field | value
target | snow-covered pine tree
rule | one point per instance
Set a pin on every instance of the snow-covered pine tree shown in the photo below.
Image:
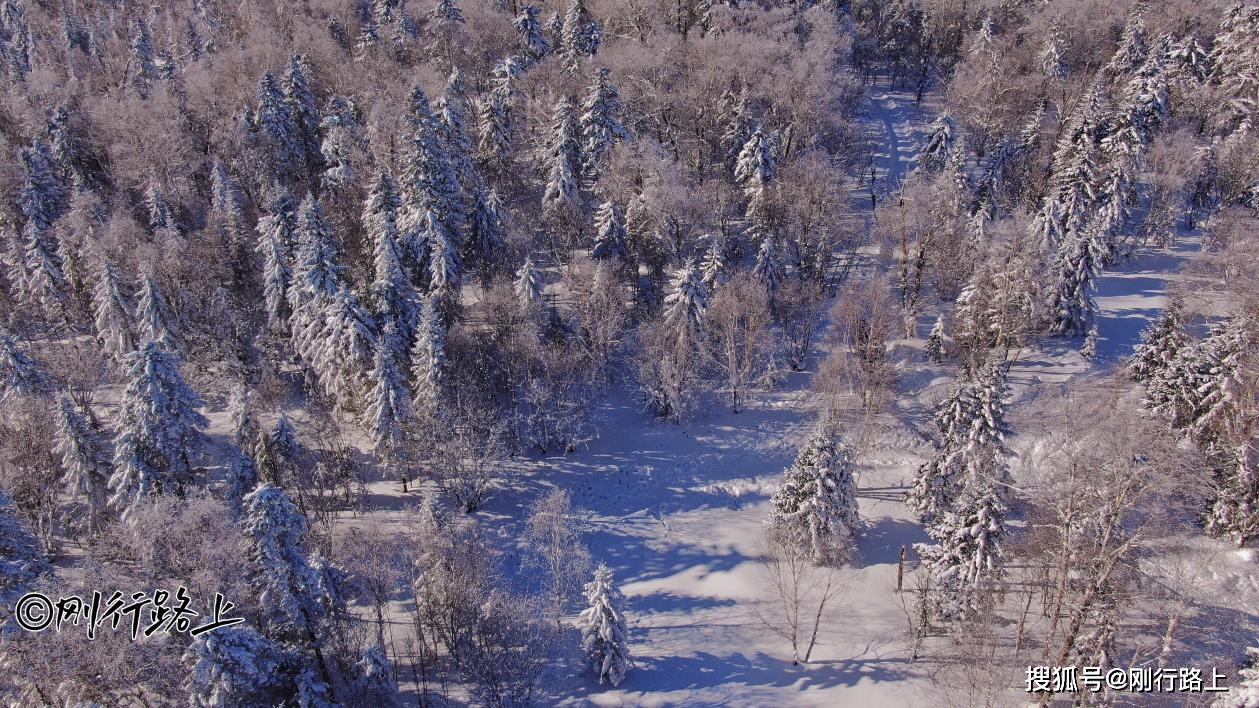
(388, 403)
(685, 308)
(1052, 63)
(154, 319)
(277, 241)
(965, 562)
(43, 196)
(276, 126)
(1132, 51)
(80, 443)
(580, 36)
(342, 141)
(604, 633)
(941, 137)
(495, 118)
(1236, 64)
(114, 328)
(815, 509)
(43, 282)
(713, 266)
(236, 666)
(1160, 344)
(299, 98)
(600, 128)
(528, 286)
(20, 374)
(432, 203)
(562, 159)
(769, 268)
(341, 352)
(1235, 511)
(295, 595)
(487, 231)
(935, 342)
(611, 237)
(970, 443)
(428, 360)
(529, 36)
(21, 562)
(160, 214)
(736, 127)
(394, 301)
(159, 430)
(1219, 399)
(1069, 305)
(316, 278)
(754, 168)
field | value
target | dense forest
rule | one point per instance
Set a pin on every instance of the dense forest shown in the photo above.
(336, 310)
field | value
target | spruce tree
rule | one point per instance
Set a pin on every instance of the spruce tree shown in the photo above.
(611, 237)
(966, 559)
(21, 561)
(154, 319)
(159, 430)
(236, 666)
(428, 360)
(20, 374)
(604, 634)
(114, 327)
(388, 405)
(935, 342)
(1160, 344)
(600, 128)
(941, 138)
(528, 286)
(1070, 306)
(394, 301)
(580, 34)
(562, 159)
(277, 241)
(714, 266)
(432, 204)
(1235, 511)
(43, 197)
(815, 509)
(529, 38)
(80, 444)
(299, 99)
(275, 124)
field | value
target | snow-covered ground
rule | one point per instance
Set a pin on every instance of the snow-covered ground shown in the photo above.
(676, 510)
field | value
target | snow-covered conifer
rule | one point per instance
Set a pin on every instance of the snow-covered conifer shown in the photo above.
(941, 137)
(563, 158)
(277, 241)
(529, 36)
(611, 237)
(43, 196)
(299, 98)
(600, 128)
(114, 328)
(154, 319)
(769, 267)
(1070, 306)
(236, 666)
(815, 509)
(394, 299)
(713, 266)
(965, 560)
(80, 443)
(428, 359)
(604, 634)
(935, 341)
(528, 285)
(20, 374)
(1235, 511)
(388, 403)
(685, 307)
(159, 430)
(1245, 693)
(274, 122)
(1160, 344)
(432, 202)
(43, 281)
(342, 142)
(21, 562)
(580, 36)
